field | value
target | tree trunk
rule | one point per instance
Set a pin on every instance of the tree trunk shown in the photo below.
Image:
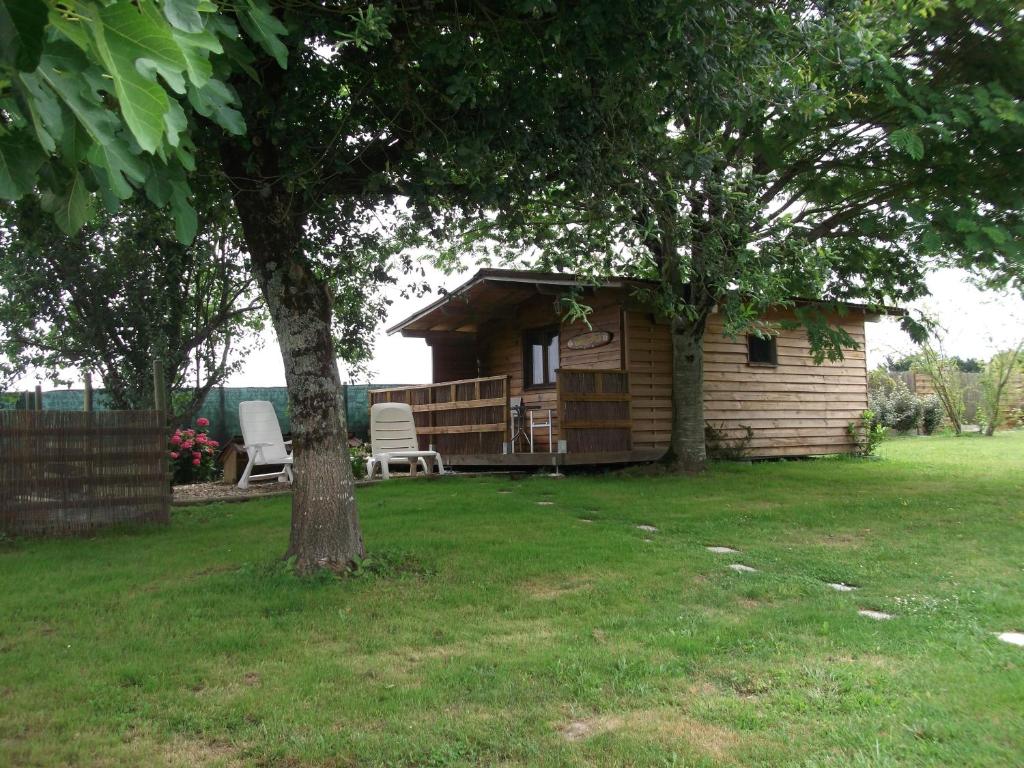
(325, 529)
(325, 522)
(687, 451)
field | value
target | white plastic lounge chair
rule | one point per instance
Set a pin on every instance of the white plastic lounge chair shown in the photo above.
(263, 441)
(393, 441)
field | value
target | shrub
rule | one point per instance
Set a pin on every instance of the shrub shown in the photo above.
(192, 454)
(878, 407)
(1016, 417)
(867, 433)
(931, 414)
(880, 382)
(892, 404)
(904, 414)
(357, 455)
(719, 446)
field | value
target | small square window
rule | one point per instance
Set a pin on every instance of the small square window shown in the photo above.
(761, 351)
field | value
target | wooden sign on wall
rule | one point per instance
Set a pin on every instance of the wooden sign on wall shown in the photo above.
(589, 340)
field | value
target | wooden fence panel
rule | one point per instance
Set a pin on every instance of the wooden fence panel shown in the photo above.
(595, 410)
(921, 385)
(63, 472)
(470, 416)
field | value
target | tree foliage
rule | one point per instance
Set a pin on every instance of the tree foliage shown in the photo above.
(99, 98)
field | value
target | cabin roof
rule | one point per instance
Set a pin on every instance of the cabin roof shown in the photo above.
(494, 293)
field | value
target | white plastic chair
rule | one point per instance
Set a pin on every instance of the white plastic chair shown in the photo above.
(264, 442)
(393, 441)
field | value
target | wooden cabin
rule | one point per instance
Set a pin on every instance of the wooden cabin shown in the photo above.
(499, 337)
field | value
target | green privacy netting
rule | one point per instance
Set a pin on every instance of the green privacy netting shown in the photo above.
(220, 407)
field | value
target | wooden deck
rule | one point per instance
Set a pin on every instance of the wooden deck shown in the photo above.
(468, 421)
(527, 460)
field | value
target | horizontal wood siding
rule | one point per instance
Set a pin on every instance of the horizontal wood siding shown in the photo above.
(649, 359)
(795, 408)
(500, 350)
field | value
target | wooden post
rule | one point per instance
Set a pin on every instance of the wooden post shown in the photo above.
(39, 397)
(29, 404)
(87, 395)
(506, 392)
(224, 437)
(159, 388)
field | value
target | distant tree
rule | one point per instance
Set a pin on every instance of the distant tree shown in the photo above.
(899, 364)
(123, 291)
(906, 363)
(998, 373)
(968, 364)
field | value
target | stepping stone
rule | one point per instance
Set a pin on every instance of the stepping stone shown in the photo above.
(546, 503)
(1013, 638)
(876, 615)
(722, 550)
(740, 568)
(839, 586)
(584, 519)
(504, 491)
(648, 541)
(648, 528)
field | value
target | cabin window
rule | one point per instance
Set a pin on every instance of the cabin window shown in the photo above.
(540, 357)
(761, 351)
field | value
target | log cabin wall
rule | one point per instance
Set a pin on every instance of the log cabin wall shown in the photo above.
(453, 360)
(500, 348)
(795, 408)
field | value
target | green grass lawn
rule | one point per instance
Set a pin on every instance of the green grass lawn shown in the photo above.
(507, 632)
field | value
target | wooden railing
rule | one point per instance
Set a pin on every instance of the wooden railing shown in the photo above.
(594, 410)
(470, 416)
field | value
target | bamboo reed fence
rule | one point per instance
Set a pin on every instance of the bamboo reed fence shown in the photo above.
(66, 473)
(594, 410)
(470, 416)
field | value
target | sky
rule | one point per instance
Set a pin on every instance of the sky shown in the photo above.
(976, 324)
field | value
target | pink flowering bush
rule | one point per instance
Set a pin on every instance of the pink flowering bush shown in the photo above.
(193, 454)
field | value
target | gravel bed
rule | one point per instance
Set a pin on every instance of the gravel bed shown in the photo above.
(207, 493)
(203, 493)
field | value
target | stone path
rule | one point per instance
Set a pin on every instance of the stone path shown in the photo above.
(876, 615)
(740, 568)
(577, 730)
(839, 586)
